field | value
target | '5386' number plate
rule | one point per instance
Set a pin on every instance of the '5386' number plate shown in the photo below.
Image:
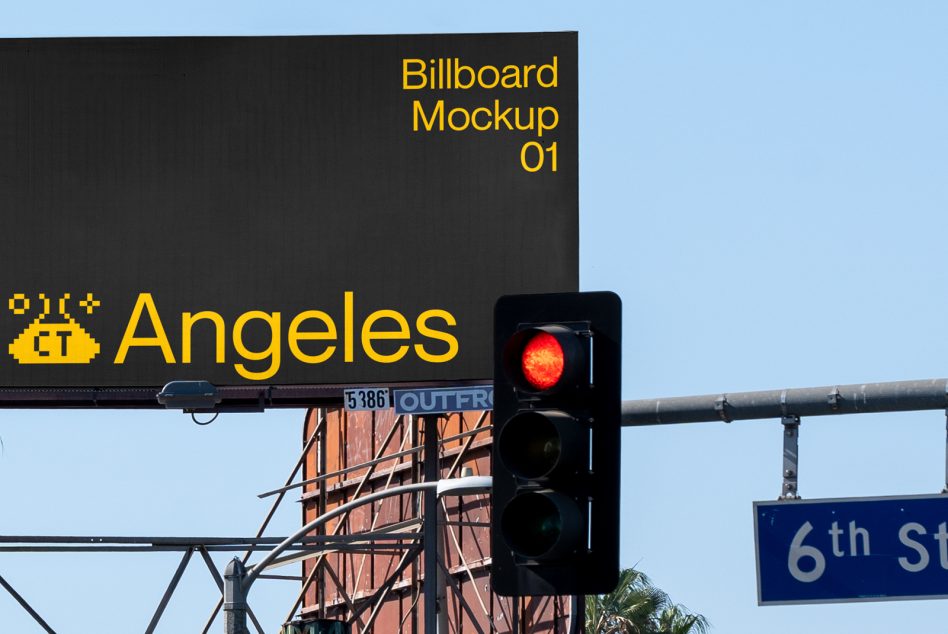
(361, 399)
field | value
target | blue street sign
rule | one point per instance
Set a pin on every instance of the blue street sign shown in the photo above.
(854, 549)
(441, 400)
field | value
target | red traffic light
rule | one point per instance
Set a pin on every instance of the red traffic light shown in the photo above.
(542, 361)
(555, 459)
(545, 359)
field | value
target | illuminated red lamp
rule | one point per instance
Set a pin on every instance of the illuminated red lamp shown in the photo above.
(542, 361)
(545, 359)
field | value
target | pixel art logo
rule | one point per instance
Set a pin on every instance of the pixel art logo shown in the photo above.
(53, 341)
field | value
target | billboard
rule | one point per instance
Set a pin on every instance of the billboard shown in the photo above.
(278, 211)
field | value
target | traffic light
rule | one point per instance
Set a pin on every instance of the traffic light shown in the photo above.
(555, 499)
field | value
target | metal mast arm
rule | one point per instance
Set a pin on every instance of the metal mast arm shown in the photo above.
(898, 396)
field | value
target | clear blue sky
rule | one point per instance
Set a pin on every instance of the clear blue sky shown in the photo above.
(765, 186)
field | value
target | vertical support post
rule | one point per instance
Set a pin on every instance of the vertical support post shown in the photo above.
(432, 466)
(235, 598)
(321, 504)
(441, 582)
(577, 614)
(945, 490)
(791, 450)
(415, 474)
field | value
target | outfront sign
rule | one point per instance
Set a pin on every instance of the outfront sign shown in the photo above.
(278, 210)
(856, 549)
(443, 400)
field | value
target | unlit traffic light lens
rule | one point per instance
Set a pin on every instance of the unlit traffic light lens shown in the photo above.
(539, 525)
(540, 444)
(530, 446)
(542, 361)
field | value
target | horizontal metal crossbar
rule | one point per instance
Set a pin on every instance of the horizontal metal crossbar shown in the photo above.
(67, 543)
(865, 398)
(234, 398)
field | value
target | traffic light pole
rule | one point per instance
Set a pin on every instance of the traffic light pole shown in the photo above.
(865, 398)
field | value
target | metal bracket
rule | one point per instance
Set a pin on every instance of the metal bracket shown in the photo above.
(833, 399)
(791, 448)
(945, 490)
(720, 406)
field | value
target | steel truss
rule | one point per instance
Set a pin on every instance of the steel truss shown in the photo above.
(342, 569)
(356, 543)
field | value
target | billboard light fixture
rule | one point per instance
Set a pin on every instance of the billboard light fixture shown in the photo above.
(189, 395)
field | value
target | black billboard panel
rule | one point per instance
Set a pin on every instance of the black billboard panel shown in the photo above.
(278, 210)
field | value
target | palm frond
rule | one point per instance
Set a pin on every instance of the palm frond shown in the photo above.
(638, 607)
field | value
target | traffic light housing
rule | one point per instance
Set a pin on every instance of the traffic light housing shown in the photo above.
(555, 498)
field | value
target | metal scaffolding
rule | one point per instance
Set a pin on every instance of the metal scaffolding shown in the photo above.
(369, 566)
(360, 454)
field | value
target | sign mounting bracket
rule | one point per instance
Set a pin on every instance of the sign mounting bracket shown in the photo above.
(791, 455)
